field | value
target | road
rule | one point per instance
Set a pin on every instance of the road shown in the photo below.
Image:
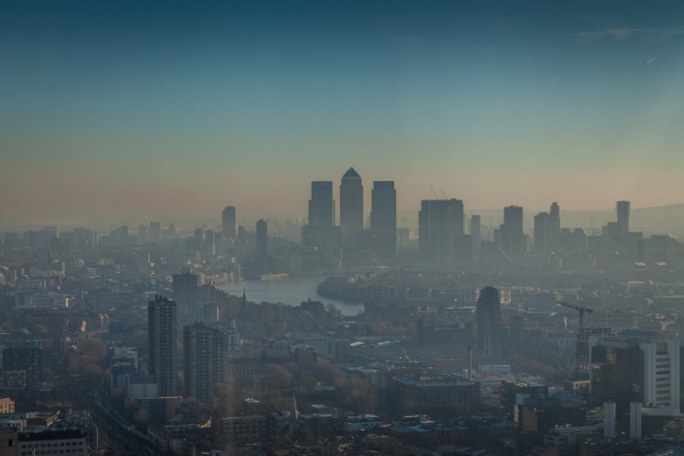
(114, 433)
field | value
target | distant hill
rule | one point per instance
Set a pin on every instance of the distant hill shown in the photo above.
(661, 219)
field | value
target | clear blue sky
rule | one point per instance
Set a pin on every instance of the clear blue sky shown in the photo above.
(172, 110)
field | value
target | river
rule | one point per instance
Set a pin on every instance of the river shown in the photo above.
(291, 290)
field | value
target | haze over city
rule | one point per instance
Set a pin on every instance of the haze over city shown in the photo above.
(120, 111)
(362, 227)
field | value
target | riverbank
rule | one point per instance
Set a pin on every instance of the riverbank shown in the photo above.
(290, 290)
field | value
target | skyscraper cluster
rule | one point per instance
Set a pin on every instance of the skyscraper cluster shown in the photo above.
(445, 238)
(442, 237)
(443, 242)
(350, 236)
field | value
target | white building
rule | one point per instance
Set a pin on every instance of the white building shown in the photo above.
(141, 386)
(649, 358)
(661, 377)
(69, 442)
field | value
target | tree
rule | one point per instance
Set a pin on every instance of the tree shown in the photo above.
(334, 311)
(93, 347)
(278, 377)
(141, 416)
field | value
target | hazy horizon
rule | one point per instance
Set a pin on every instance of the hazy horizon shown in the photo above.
(667, 219)
(171, 111)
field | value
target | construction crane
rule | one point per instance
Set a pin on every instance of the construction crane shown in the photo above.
(404, 356)
(434, 192)
(437, 197)
(580, 309)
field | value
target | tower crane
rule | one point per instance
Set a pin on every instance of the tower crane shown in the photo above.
(580, 309)
(404, 356)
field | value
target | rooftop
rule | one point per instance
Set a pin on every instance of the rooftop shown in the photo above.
(351, 172)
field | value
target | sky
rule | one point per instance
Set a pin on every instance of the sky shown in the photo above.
(127, 110)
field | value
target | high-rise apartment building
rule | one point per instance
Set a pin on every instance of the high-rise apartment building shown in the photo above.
(489, 324)
(229, 223)
(440, 230)
(205, 351)
(383, 218)
(321, 204)
(161, 327)
(661, 373)
(351, 208)
(22, 363)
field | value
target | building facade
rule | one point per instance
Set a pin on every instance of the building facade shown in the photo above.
(622, 209)
(439, 396)
(68, 442)
(546, 230)
(229, 223)
(440, 231)
(186, 287)
(261, 239)
(510, 236)
(321, 204)
(489, 324)
(351, 208)
(162, 326)
(638, 366)
(205, 350)
(383, 218)
(321, 234)
(22, 363)
(476, 237)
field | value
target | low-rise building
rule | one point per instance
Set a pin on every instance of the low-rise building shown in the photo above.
(440, 395)
(245, 428)
(6, 405)
(70, 442)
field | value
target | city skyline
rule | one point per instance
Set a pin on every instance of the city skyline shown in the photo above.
(651, 220)
(118, 111)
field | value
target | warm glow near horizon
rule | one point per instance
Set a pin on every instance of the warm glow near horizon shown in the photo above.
(174, 113)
